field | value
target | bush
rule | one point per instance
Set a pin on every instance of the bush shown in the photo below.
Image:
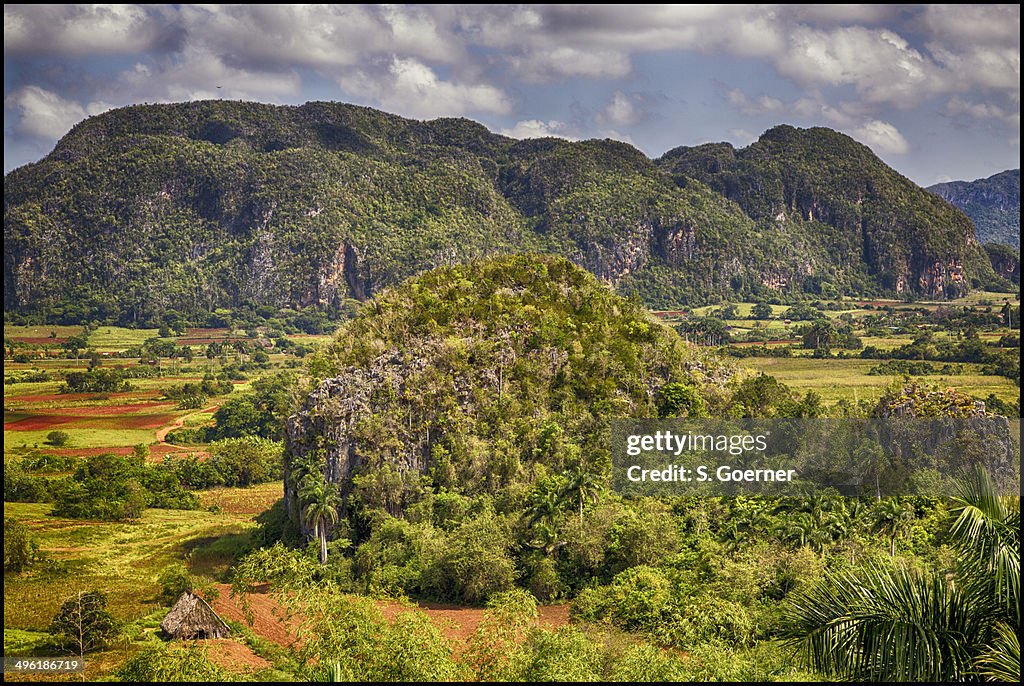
(414, 649)
(115, 488)
(20, 549)
(185, 662)
(83, 624)
(563, 655)
(508, 617)
(58, 438)
(645, 600)
(98, 380)
(645, 663)
(174, 580)
(475, 563)
(247, 461)
(21, 487)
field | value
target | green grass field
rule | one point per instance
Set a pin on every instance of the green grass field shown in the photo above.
(116, 338)
(123, 559)
(80, 438)
(836, 380)
(41, 331)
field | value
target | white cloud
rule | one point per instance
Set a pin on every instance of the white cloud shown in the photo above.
(45, 114)
(852, 117)
(200, 75)
(616, 136)
(622, 110)
(971, 25)
(763, 104)
(742, 138)
(882, 137)
(410, 87)
(87, 29)
(318, 36)
(564, 61)
(534, 128)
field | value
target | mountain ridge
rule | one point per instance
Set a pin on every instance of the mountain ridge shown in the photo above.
(190, 207)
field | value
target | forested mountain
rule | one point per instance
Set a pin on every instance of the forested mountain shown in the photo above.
(157, 211)
(993, 204)
(857, 221)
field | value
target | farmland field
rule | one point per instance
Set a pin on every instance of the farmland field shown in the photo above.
(840, 379)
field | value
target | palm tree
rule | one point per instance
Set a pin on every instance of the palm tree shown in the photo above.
(894, 623)
(893, 518)
(320, 503)
(582, 486)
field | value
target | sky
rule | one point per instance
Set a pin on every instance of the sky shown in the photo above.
(934, 90)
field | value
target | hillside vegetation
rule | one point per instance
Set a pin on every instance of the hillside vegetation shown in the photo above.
(152, 212)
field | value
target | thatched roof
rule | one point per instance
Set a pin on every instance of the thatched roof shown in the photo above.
(192, 617)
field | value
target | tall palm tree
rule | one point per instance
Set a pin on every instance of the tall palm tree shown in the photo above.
(583, 486)
(893, 623)
(893, 518)
(320, 503)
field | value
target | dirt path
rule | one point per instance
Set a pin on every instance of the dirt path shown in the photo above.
(162, 432)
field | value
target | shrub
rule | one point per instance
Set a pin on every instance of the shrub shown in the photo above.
(58, 438)
(20, 549)
(563, 655)
(83, 624)
(645, 663)
(186, 662)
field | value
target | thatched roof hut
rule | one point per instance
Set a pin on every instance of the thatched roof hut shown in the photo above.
(192, 617)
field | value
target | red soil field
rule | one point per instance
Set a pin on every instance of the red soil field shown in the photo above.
(108, 410)
(107, 416)
(455, 622)
(216, 332)
(232, 654)
(267, 613)
(37, 423)
(54, 397)
(778, 341)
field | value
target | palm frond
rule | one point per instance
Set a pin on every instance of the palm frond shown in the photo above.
(1001, 660)
(881, 624)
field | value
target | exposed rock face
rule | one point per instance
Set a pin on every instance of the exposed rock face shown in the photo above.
(328, 420)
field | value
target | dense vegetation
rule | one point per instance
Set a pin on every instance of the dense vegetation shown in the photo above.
(118, 488)
(993, 204)
(198, 212)
(449, 445)
(490, 378)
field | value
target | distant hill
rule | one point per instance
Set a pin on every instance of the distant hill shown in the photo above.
(993, 204)
(161, 212)
(857, 221)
